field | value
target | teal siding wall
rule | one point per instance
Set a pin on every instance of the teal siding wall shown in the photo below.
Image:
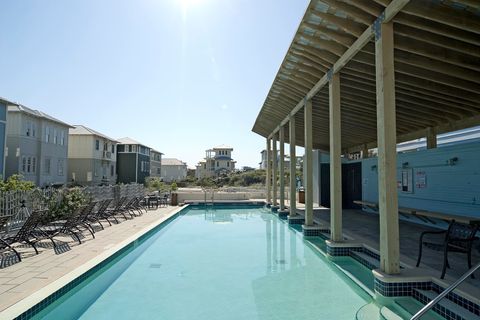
(449, 188)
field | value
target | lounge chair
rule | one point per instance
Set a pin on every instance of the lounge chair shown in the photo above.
(28, 234)
(458, 237)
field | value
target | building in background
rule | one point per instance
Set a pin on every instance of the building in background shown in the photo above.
(92, 157)
(218, 161)
(3, 133)
(155, 163)
(173, 170)
(37, 146)
(133, 161)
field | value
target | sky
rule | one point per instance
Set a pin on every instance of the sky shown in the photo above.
(180, 76)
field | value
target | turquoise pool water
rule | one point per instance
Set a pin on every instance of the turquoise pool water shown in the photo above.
(222, 263)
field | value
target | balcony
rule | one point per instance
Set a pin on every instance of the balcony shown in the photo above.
(107, 155)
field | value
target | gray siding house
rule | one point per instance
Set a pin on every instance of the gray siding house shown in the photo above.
(173, 170)
(155, 163)
(92, 157)
(133, 161)
(3, 134)
(37, 146)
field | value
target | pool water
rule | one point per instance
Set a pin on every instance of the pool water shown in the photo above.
(217, 263)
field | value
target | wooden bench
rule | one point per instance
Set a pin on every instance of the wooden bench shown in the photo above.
(423, 215)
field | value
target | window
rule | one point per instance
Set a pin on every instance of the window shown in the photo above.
(29, 164)
(24, 164)
(46, 166)
(105, 146)
(112, 170)
(34, 133)
(142, 164)
(228, 164)
(34, 165)
(29, 129)
(113, 148)
(62, 138)
(55, 136)
(47, 134)
(218, 164)
(60, 167)
(205, 166)
(97, 145)
(104, 171)
(158, 170)
(130, 148)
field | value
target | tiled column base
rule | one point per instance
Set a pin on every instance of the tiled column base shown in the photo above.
(398, 285)
(312, 231)
(336, 249)
(274, 208)
(296, 220)
(283, 214)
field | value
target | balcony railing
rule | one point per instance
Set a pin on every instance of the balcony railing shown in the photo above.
(107, 155)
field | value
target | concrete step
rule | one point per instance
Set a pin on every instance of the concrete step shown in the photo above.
(363, 257)
(447, 304)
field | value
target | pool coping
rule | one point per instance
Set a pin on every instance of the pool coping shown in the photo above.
(40, 295)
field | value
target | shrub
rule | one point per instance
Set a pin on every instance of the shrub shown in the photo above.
(16, 183)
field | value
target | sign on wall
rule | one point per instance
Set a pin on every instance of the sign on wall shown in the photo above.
(420, 179)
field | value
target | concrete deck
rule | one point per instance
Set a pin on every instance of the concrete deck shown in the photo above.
(363, 227)
(24, 284)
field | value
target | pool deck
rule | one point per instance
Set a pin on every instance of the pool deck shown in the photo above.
(363, 227)
(28, 282)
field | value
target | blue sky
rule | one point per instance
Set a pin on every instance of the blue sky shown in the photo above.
(181, 76)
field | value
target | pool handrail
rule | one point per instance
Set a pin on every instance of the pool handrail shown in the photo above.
(444, 293)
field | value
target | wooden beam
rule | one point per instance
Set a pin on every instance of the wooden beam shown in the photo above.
(336, 233)
(387, 164)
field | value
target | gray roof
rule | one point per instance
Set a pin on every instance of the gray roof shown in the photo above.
(85, 131)
(222, 146)
(153, 150)
(128, 140)
(35, 113)
(7, 102)
(172, 162)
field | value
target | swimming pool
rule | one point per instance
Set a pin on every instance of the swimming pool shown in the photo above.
(232, 262)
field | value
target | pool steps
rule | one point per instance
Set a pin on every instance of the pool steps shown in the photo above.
(445, 307)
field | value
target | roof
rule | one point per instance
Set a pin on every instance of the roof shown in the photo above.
(128, 140)
(35, 113)
(7, 102)
(223, 147)
(82, 130)
(156, 151)
(172, 162)
(437, 70)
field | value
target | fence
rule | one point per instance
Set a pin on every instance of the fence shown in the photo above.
(18, 204)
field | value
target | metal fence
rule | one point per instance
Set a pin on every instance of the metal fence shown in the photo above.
(18, 204)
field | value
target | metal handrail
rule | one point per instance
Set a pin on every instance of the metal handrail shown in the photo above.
(445, 292)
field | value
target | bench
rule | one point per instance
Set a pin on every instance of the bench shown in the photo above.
(423, 215)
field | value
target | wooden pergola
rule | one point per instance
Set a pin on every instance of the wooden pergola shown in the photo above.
(362, 74)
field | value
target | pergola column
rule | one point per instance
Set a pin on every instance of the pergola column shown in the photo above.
(282, 167)
(293, 168)
(387, 153)
(431, 138)
(269, 170)
(274, 170)
(308, 165)
(335, 160)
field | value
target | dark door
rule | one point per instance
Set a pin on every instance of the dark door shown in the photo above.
(351, 184)
(325, 185)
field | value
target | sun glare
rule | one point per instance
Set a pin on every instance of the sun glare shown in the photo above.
(189, 3)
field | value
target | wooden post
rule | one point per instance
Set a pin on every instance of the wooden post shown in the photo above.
(335, 160)
(293, 169)
(268, 177)
(387, 153)
(431, 138)
(281, 134)
(308, 165)
(274, 170)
